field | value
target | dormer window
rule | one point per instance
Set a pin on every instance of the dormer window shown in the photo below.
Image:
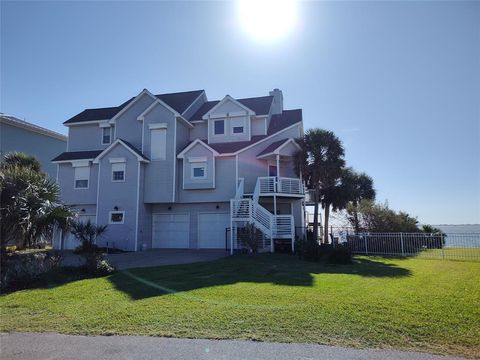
(106, 135)
(219, 127)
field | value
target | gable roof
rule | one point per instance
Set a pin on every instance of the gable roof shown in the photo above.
(179, 102)
(192, 144)
(260, 105)
(127, 145)
(13, 121)
(223, 101)
(77, 155)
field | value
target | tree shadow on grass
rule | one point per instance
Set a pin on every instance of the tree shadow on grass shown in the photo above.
(275, 269)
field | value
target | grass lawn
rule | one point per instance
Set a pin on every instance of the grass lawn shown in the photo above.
(427, 305)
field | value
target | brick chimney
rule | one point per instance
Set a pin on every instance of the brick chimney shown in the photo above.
(277, 106)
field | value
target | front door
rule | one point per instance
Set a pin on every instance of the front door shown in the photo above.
(272, 170)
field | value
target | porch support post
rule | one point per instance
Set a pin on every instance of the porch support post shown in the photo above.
(278, 165)
(231, 227)
(274, 226)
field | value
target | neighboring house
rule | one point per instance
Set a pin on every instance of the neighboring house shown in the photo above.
(22, 136)
(176, 170)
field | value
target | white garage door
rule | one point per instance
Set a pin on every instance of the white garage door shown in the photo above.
(70, 242)
(211, 230)
(170, 231)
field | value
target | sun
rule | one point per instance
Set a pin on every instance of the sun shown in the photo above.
(267, 20)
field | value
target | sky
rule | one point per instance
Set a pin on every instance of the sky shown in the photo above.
(398, 82)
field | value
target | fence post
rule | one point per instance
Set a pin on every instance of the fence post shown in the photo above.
(366, 246)
(401, 242)
(443, 247)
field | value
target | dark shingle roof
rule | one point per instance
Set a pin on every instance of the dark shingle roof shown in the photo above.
(134, 149)
(77, 155)
(284, 120)
(261, 105)
(272, 147)
(206, 107)
(97, 114)
(230, 147)
(80, 155)
(180, 101)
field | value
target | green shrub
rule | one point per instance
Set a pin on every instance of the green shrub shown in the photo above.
(311, 250)
(250, 236)
(308, 249)
(337, 255)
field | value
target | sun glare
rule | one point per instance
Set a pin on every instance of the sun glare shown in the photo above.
(267, 20)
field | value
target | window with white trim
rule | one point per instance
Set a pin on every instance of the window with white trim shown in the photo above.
(219, 127)
(81, 177)
(238, 126)
(158, 144)
(118, 172)
(116, 217)
(199, 171)
(106, 135)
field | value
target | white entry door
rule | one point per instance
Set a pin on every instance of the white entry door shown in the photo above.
(211, 230)
(170, 231)
(70, 242)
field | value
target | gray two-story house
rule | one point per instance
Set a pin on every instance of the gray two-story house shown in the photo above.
(176, 170)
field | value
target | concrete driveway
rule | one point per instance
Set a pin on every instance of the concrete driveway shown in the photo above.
(159, 257)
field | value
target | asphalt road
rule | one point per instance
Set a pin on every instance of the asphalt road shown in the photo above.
(50, 346)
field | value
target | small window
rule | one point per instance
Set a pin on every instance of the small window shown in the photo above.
(81, 184)
(81, 177)
(116, 217)
(199, 171)
(238, 126)
(219, 127)
(118, 172)
(106, 131)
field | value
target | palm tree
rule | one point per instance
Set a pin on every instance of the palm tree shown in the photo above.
(30, 206)
(87, 233)
(21, 160)
(320, 162)
(356, 187)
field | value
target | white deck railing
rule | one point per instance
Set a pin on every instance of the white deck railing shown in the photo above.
(283, 226)
(280, 185)
(249, 210)
(241, 209)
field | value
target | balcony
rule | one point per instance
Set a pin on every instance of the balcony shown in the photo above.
(275, 185)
